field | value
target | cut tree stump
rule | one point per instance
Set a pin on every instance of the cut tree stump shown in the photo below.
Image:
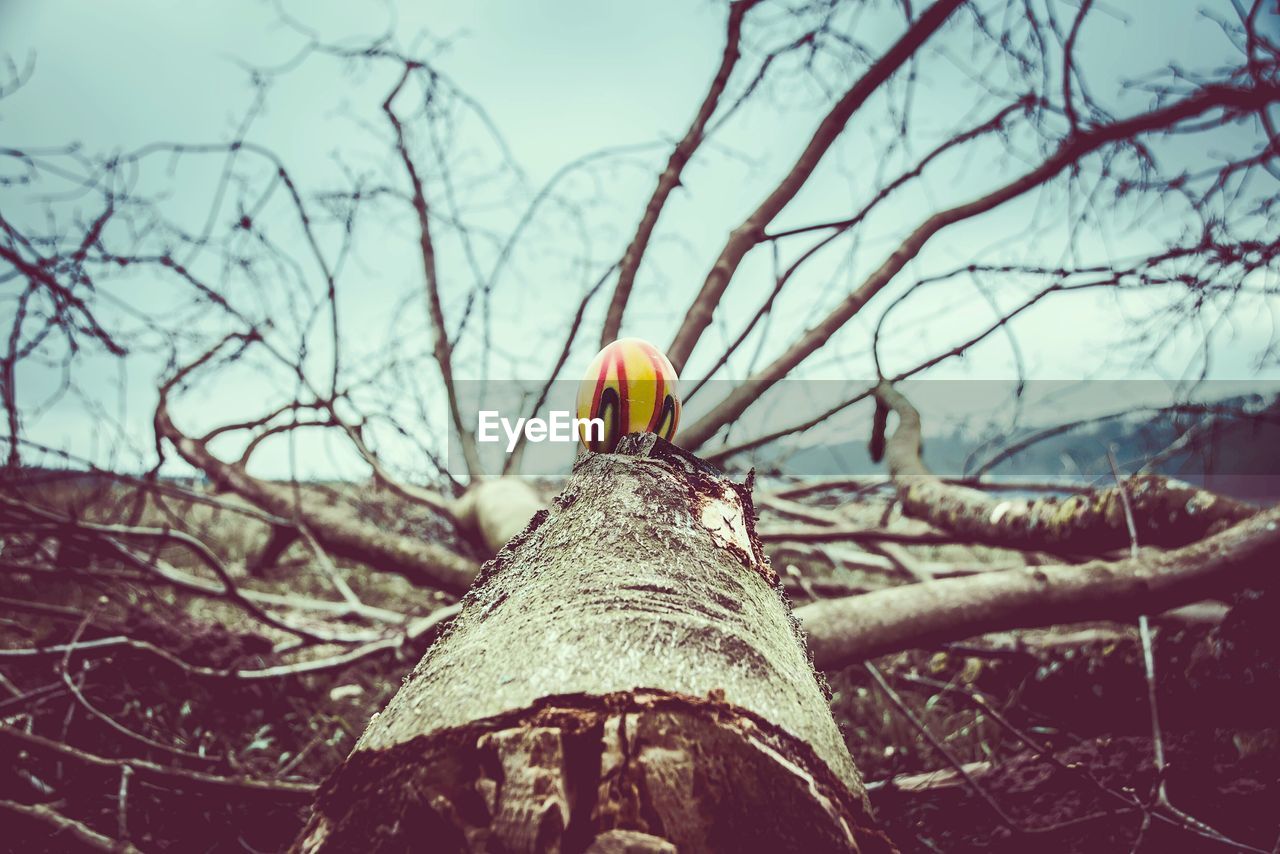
(625, 675)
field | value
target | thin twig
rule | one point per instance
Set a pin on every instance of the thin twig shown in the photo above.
(64, 671)
(122, 802)
(952, 760)
(1149, 669)
(58, 824)
(15, 740)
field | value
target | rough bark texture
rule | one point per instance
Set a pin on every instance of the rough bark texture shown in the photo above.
(624, 676)
(1165, 512)
(844, 631)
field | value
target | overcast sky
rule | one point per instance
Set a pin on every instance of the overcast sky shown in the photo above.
(560, 80)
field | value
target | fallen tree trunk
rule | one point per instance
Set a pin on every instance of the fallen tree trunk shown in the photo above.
(1165, 511)
(1244, 550)
(845, 631)
(497, 509)
(340, 532)
(493, 510)
(624, 676)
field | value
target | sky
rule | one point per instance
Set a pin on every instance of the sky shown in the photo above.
(561, 80)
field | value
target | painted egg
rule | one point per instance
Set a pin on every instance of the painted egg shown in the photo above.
(631, 387)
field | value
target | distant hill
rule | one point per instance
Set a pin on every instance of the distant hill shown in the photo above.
(1236, 454)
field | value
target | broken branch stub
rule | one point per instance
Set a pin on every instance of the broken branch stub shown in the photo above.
(624, 675)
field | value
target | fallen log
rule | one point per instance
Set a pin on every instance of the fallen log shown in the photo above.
(624, 675)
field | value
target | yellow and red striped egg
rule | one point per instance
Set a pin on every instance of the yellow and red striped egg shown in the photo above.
(631, 386)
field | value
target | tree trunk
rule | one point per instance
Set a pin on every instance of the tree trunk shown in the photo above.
(624, 676)
(1165, 512)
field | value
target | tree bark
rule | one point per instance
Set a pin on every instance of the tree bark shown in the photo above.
(844, 631)
(497, 509)
(342, 534)
(1165, 512)
(624, 676)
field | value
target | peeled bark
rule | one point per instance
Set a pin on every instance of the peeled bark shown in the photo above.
(497, 509)
(624, 676)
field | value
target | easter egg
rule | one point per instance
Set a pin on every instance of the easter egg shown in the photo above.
(631, 387)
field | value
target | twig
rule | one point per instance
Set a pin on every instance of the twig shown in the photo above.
(122, 801)
(58, 824)
(108, 533)
(1072, 149)
(64, 671)
(963, 770)
(1046, 753)
(1149, 670)
(669, 178)
(327, 567)
(751, 231)
(442, 350)
(416, 632)
(15, 741)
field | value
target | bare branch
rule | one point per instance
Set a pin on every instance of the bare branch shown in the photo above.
(339, 532)
(842, 631)
(1232, 100)
(443, 350)
(58, 826)
(14, 742)
(669, 178)
(1169, 513)
(751, 231)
